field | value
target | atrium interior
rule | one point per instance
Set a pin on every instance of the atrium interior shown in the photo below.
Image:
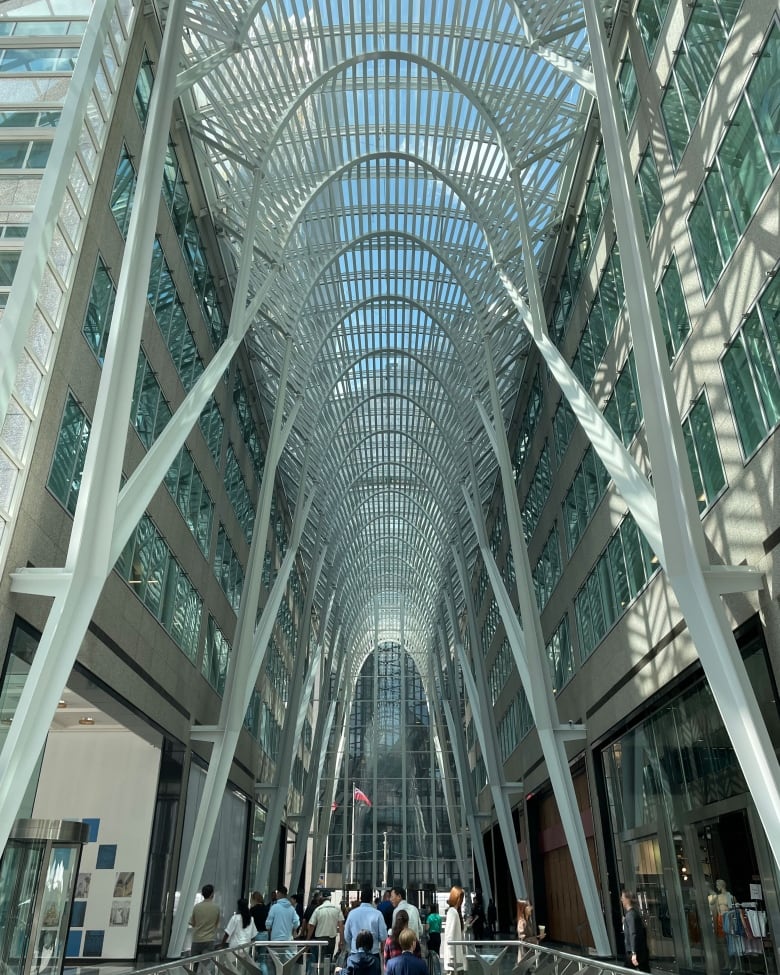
(388, 395)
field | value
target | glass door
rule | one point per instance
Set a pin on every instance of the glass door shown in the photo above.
(728, 871)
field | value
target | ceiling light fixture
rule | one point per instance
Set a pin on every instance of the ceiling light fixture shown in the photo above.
(87, 720)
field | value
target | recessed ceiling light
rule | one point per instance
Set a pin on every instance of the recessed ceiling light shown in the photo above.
(86, 721)
(62, 704)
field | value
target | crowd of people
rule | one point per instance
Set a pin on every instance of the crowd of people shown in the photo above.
(396, 927)
(373, 935)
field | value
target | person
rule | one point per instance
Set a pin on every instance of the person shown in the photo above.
(477, 917)
(634, 934)
(400, 903)
(408, 962)
(296, 901)
(240, 928)
(452, 955)
(492, 919)
(526, 927)
(392, 946)
(204, 921)
(434, 929)
(325, 922)
(259, 911)
(282, 918)
(362, 960)
(385, 907)
(365, 917)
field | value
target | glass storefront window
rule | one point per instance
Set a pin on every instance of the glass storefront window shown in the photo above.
(684, 834)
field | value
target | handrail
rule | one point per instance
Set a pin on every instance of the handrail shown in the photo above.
(186, 962)
(537, 952)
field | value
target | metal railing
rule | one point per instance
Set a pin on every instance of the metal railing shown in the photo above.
(263, 957)
(526, 958)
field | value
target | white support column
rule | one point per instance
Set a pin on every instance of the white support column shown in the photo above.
(23, 296)
(246, 662)
(290, 741)
(482, 716)
(441, 708)
(319, 747)
(529, 655)
(695, 581)
(89, 551)
(329, 796)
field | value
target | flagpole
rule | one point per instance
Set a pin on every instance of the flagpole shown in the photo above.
(352, 866)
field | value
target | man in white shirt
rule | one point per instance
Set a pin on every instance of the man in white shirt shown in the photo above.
(400, 903)
(325, 923)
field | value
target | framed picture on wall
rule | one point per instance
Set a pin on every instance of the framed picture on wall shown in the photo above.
(124, 885)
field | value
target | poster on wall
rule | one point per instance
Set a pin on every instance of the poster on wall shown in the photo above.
(82, 886)
(124, 885)
(120, 914)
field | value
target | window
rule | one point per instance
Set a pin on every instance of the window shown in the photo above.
(601, 321)
(528, 425)
(149, 412)
(216, 655)
(538, 492)
(560, 655)
(211, 426)
(99, 310)
(621, 571)
(28, 119)
(547, 571)
(9, 261)
(624, 407)
(501, 669)
(143, 89)
(24, 154)
(186, 487)
(248, 426)
(583, 497)
(703, 454)
(172, 320)
(156, 578)
(649, 190)
(238, 493)
(123, 191)
(650, 16)
(69, 455)
(228, 570)
(674, 315)
(693, 70)
(37, 60)
(564, 423)
(745, 161)
(751, 369)
(628, 88)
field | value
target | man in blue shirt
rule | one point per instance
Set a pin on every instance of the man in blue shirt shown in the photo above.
(282, 918)
(365, 917)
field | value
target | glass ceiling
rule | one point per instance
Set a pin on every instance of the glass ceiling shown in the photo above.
(383, 136)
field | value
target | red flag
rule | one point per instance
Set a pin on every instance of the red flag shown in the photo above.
(360, 796)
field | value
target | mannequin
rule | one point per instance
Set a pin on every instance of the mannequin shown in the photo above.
(728, 924)
(723, 898)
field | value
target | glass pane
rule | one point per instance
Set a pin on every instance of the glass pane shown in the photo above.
(712, 475)
(705, 244)
(748, 415)
(744, 165)
(764, 95)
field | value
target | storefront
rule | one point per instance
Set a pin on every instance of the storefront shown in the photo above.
(685, 835)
